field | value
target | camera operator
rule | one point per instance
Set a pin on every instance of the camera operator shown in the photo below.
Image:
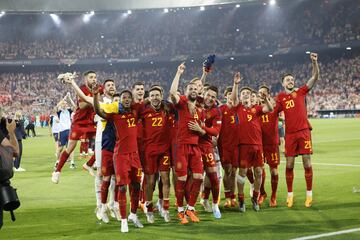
(9, 148)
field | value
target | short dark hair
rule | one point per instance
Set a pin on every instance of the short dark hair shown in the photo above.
(266, 87)
(213, 88)
(156, 88)
(88, 72)
(137, 84)
(285, 75)
(108, 80)
(227, 90)
(246, 88)
(126, 91)
(117, 95)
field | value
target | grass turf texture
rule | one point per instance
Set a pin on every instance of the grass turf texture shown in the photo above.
(66, 210)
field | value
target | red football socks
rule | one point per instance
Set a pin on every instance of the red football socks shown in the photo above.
(104, 191)
(308, 178)
(180, 192)
(122, 203)
(134, 199)
(194, 193)
(63, 157)
(289, 179)
(91, 161)
(274, 184)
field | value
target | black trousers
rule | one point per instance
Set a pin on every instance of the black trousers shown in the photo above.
(18, 159)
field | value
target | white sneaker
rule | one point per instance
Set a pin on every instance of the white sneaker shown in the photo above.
(20, 169)
(90, 151)
(166, 215)
(206, 205)
(72, 166)
(98, 212)
(89, 169)
(216, 211)
(124, 226)
(251, 190)
(133, 218)
(103, 212)
(55, 177)
(150, 217)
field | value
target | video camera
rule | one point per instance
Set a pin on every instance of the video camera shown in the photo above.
(9, 200)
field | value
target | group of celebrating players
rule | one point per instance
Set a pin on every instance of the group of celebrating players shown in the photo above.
(139, 140)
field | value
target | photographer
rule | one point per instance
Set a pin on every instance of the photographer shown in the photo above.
(20, 135)
(9, 149)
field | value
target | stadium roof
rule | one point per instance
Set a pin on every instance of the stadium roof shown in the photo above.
(98, 5)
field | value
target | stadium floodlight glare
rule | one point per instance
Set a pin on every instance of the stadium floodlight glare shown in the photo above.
(2, 13)
(237, 30)
(270, 55)
(129, 12)
(202, 8)
(232, 58)
(55, 18)
(307, 52)
(348, 48)
(237, 5)
(166, 10)
(272, 2)
(92, 13)
(87, 16)
(192, 60)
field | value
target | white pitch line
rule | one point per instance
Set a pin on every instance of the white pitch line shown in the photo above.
(330, 164)
(328, 234)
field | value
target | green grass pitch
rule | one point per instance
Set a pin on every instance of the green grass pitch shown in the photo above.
(66, 210)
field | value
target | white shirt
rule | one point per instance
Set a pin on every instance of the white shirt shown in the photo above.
(55, 128)
(65, 120)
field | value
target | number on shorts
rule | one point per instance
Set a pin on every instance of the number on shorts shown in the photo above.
(131, 122)
(289, 104)
(157, 122)
(307, 145)
(209, 157)
(265, 118)
(274, 157)
(166, 160)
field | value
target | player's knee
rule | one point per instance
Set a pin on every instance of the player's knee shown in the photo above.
(240, 179)
(258, 171)
(274, 171)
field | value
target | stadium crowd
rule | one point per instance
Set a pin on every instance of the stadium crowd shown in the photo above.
(184, 32)
(338, 88)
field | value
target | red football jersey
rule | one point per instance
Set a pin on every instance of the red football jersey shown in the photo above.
(126, 132)
(184, 135)
(249, 124)
(155, 126)
(212, 125)
(294, 108)
(269, 126)
(86, 115)
(229, 127)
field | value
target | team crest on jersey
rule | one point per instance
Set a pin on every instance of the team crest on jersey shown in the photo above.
(179, 165)
(123, 116)
(196, 116)
(284, 99)
(294, 94)
(253, 110)
(149, 115)
(225, 113)
(73, 134)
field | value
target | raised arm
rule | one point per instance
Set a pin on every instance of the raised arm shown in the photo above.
(175, 84)
(269, 105)
(235, 90)
(70, 79)
(70, 101)
(98, 110)
(12, 142)
(204, 75)
(315, 70)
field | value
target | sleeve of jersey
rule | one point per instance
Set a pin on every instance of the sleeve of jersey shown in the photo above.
(182, 101)
(111, 107)
(216, 126)
(303, 90)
